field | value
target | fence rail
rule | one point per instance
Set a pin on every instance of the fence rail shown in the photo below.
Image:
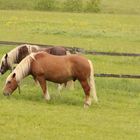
(75, 49)
(112, 53)
(118, 75)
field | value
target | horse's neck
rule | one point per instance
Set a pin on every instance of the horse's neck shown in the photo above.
(23, 69)
(12, 57)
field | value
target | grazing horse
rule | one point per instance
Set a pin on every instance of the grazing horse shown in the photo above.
(17, 54)
(59, 69)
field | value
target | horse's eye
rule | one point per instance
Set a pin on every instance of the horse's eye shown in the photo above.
(9, 82)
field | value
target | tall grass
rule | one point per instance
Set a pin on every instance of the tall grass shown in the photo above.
(93, 6)
(73, 5)
(48, 5)
(17, 4)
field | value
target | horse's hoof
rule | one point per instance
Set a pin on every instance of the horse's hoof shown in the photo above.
(86, 106)
(47, 97)
(96, 100)
(88, 101)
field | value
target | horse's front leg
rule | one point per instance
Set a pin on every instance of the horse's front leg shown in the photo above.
(43, 85)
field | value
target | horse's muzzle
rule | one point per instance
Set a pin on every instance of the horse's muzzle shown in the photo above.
(1, 72)
(6, 94)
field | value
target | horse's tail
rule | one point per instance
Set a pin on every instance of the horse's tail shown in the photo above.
(92, 82)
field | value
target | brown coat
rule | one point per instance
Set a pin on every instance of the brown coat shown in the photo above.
(60, 69)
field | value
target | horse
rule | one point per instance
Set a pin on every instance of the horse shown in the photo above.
(59, 69)
(17, 54)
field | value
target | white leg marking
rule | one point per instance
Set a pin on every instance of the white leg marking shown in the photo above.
(87, 103)
(47, 95)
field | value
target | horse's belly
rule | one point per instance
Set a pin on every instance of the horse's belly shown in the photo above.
(58, 73)
(58, 79)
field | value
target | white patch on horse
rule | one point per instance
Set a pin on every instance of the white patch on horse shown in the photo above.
(47, 95)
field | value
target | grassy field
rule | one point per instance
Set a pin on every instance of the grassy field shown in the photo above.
(116, 116)
(101, 32)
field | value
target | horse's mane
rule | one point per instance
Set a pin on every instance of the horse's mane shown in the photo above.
(13, 54)
(30, 48)
(22, 69)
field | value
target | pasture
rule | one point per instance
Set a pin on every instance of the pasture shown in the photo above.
(116, 116)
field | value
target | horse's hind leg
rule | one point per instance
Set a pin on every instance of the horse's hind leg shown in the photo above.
(43, 85)
(60, 86)
(70, 84)
(86, 89)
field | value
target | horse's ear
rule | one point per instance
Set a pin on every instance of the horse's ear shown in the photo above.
(14, 74)
(6, 55)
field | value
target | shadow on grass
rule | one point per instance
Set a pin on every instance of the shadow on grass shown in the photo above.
(56, 99)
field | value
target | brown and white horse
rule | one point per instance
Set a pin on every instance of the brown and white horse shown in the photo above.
(17, 54)
(59, 69)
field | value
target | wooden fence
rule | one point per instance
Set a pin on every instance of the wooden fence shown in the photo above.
(80, 50)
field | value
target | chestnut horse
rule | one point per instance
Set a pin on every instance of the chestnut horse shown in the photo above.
(59, 69)
(17, 54)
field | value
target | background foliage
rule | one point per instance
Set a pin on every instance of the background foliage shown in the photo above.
(102, 6)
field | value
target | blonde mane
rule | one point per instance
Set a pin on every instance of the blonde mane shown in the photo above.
(22, 69)
(13, 54)
(32, 47)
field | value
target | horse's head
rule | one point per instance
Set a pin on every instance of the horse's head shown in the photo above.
(4, 64)
(10, 85)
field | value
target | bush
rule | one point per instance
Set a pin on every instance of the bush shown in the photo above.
(47, 5)
(93, 6)
(73, 5)
(52, 5)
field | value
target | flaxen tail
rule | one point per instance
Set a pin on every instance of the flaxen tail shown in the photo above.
(92, 82)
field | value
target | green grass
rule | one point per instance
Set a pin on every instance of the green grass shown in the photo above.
(28, 116)
(120, 6)
(116, 116)
(100, 32)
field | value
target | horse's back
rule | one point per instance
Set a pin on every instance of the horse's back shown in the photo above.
(74, 60)
(59, 50)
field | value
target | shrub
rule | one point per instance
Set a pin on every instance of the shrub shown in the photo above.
(47, 5)
(73, 5)
(93, 6)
